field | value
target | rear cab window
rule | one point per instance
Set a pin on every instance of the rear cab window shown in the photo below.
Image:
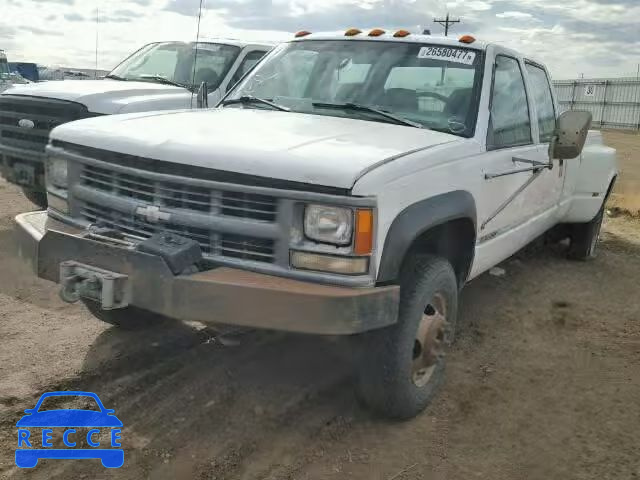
(543, 100)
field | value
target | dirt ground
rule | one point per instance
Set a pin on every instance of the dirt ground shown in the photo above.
(543, 382)
(626, 195)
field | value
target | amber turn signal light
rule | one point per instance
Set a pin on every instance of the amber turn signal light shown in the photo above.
(363, 244)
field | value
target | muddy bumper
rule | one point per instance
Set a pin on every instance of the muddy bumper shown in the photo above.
(220, 295)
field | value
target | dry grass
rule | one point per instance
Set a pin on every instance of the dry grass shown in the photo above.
(626, 195)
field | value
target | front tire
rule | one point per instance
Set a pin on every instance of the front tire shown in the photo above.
(402, 366)
(36, 196)
(129, 318)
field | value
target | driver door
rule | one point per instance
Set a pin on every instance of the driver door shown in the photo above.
(511, 194)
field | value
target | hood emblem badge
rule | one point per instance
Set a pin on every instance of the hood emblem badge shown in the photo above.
(26, 123)
(152, 214)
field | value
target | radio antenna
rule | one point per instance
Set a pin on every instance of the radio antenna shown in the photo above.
(195, 54)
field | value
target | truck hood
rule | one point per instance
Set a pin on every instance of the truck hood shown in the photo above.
(109, 96)
(313, 149)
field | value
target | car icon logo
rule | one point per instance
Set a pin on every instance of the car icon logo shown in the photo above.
(26, 123)
(40, 429)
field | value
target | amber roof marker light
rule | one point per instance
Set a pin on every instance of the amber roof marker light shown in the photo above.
(467, 39)
(302, 33)
(376, 32)
(352, 32)
(363, 244)
(402, 33)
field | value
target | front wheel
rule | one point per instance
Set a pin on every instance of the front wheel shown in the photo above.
(36, 196)
(129, 318)
(401, 367)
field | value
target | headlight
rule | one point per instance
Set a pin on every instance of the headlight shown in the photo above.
(328, 224)
(57, 172)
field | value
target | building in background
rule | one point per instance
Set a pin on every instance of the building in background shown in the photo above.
(26, 70)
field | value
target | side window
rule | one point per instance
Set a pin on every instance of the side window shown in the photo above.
(541, 91)
(510, 124)
(247, 64)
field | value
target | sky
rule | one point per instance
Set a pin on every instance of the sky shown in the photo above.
(594, 38)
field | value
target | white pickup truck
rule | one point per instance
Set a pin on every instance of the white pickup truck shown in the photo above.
(349, 185)
(8, 78)
(159, 76)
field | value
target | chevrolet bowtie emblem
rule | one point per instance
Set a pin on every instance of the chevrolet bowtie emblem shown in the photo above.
(152, 214)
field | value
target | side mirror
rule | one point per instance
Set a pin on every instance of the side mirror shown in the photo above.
(202, 100)
(570, 135)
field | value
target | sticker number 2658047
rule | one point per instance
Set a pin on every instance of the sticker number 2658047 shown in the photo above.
(457, 55)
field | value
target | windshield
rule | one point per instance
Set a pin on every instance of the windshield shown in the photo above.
(434, 86)
(174, 62)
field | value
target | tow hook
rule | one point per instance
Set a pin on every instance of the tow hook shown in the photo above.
(111, 290)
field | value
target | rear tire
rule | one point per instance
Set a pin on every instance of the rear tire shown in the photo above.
(36, 196)
(402, 366)
(584, 238)
(129, 318)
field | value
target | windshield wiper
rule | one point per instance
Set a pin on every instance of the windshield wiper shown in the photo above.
(116, 77)
(165, 80)
(245, 99)
(367, 108)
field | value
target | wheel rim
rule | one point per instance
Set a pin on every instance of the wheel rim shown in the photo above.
(430, 342)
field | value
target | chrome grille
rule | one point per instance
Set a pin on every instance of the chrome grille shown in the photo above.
(180, 195)
(45, 113)
(212, 243)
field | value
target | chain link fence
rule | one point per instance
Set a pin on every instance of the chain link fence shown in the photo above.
(613, 102)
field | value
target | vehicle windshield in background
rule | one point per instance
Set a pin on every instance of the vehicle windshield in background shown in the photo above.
(434, 86)
(4, 68)
(172, 63)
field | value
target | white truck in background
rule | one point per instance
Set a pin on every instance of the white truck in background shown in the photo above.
(4, 71)
(159, 76)
(349, 185)
(8, 78)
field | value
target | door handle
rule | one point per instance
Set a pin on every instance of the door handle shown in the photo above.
(535, 167)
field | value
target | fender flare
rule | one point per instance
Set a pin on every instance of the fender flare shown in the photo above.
(418, 218)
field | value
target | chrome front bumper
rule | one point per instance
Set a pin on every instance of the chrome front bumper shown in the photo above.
(220, 295)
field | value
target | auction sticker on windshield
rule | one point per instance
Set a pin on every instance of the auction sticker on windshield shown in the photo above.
(456, 55)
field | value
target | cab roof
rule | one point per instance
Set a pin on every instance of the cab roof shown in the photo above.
(238, 43)
(388, 37)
